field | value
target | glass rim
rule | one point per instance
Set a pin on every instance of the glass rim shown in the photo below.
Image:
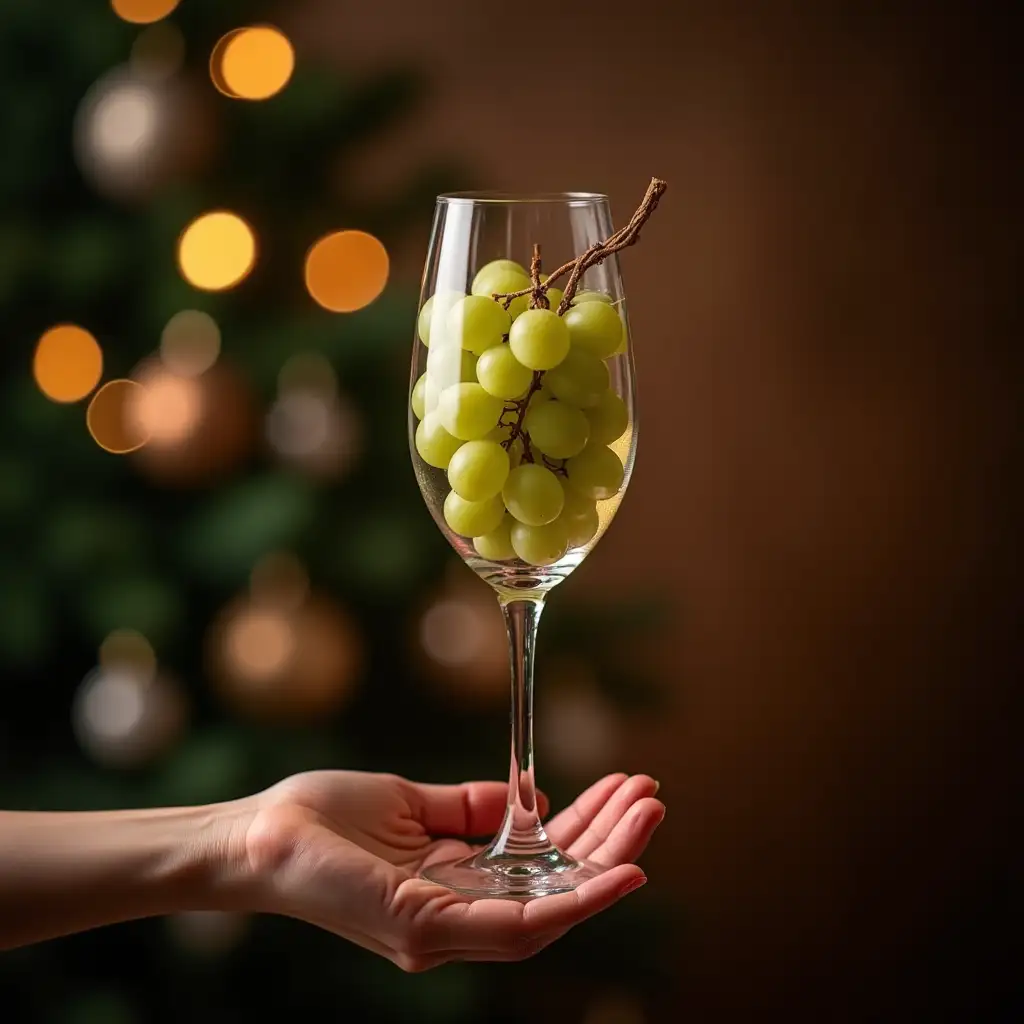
(499, 198)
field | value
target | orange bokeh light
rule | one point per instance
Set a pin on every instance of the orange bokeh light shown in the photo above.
(110, 420)
(68, 363)
(252, 63)
(216, 251)
(143, 12)
(346, 270)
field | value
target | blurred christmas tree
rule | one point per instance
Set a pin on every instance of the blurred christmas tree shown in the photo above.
(214, 535)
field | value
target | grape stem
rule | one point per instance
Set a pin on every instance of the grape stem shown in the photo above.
(595, 255)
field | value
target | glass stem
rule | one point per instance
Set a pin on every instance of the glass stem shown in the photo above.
(522, 833)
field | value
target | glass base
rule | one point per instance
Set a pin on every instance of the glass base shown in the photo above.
(507, 876)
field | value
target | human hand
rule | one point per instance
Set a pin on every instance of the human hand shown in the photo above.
(343, 850)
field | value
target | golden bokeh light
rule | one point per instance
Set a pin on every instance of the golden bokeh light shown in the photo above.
(190, 343)
(166, 409)
(128, 650)
(259, 644)
(143, 12)
(68, 363)
(252, 63)
(109, 417)
(216, 251)
(346, 270)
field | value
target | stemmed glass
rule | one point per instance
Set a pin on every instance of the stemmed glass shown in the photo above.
(523, 435)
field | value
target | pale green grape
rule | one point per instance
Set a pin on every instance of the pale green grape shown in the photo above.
(477, 323)
(581, 297)
(501, 374)
(609, 418)
(580, 379)
(515, 449)
(472, 518)
(623, 343)
(503, 280)
(419, 397)
(594, 327)
(533, 494)
(435, 445)
(497, 545)
(596, 472)
(432, 315)
(539, 545)
(576, 504)
(493, 269)
(555, 297)
(431, 394)
(467, 411)
(557, 429)
(580, 529)
(448, 364)
(539, 339)
(478, 470)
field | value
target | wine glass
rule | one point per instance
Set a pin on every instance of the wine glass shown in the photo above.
(523, 434)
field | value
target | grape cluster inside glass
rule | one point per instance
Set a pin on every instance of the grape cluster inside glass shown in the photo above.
(517, 407)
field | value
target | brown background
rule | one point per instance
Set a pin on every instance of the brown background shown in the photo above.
(828, 476)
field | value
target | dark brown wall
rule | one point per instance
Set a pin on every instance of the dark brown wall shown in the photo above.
(828, 478)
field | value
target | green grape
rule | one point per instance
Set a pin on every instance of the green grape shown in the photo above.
(576, 504)
(431, 394)
(473, 518)
(555, 297)
(502, 280)
(581, 297)
(596, 472)
(419, 397)
(493, 269)
(478, 470)
(477, 323)
(448, 364)
(557, 429)
(501, 374)
(539, 338)
(539, 545)
(623, 343)
(533, 494)
(496, 546)
(515, 450)
(581, 528)
(580, 379)
(435, 445)
(467, 411)
(594, 327)
(609, 418)
(432, 315)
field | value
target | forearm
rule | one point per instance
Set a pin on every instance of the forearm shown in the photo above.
(63, 873)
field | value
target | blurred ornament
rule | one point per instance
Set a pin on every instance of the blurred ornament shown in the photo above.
(123, 720)
(216, 251)
(209, 425)
(346, 270)
(252, 63)
(276, 662)
(577, 730)
(110, 420)
(158, 53)
(208, 932)
(190, 343)
(67, 364)
(143, 12)
(135, 132)
(462, 642)
(615, 1008)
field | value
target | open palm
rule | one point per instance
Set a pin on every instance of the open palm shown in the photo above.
(343, 850)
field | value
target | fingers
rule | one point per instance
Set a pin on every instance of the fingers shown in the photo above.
(568, 825)
(597, 830)
(468, 809)
(629, 836)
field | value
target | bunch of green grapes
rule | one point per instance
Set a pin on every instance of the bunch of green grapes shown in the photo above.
(517, 407)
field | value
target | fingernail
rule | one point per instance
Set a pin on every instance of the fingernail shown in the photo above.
(633, 886)
(657, 786)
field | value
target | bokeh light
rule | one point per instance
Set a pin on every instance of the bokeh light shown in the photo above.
(279, 580)
(158, 52)
(216, 251)
(110, 420)
(68, 363)
(129, 651)
(577, 729)
(190, 343)
(346, 270)
(259, 644)
(166, 409)
(252, 63)
(143, 12)
(123, 125)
